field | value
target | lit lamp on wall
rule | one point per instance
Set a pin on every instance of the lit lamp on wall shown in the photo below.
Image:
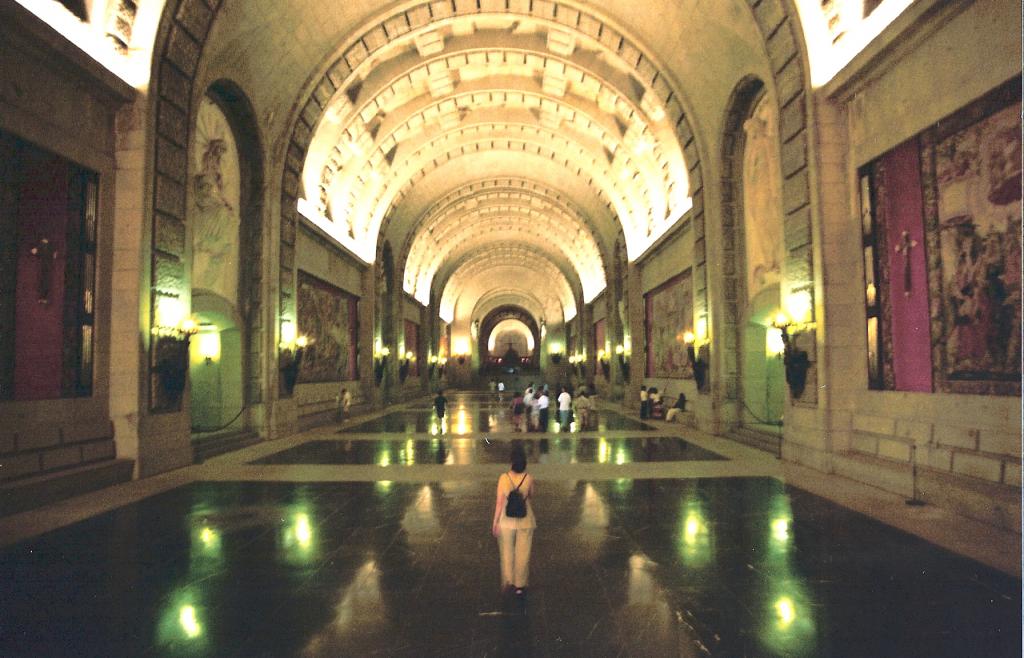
(603, 359)
(623, 352)
(461, 350)
(795, 360)
(555, 351)
(381, 353)
(173, 330)
(292, 349)
(698, 361)
(405, 365)
(431, 365)
(581, 363)
(209, 343)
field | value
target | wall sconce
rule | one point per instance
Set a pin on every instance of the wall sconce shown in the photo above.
(209, 343)
(405, 364)
(291, 360)
(697, 361)
(603, 359)
(794, 359)
(173, 331)
(380, 361)
(579, 363)
(555, 351)
(623, 353)
(431, 365)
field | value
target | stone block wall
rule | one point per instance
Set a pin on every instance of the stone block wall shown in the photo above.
(39, 447)
(990, 454)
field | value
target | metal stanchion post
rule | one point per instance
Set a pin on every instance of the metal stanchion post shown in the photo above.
(914, 501)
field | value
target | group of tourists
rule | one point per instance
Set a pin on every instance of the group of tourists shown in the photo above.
(531, 409)
(652, 405)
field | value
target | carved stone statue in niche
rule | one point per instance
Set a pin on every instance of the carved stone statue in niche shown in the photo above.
(215, 209)
(762, 198)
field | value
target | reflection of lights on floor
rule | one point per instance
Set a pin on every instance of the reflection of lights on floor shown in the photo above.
(602, 451)
(303, 530)
(620, 456)
(780, 530)
(692, 529)
(786, 611)
(383, 486)
(208, 536)
(188, 621)
(408, 455)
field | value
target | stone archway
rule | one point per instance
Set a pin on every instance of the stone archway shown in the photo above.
(225, 217)
(499, 315)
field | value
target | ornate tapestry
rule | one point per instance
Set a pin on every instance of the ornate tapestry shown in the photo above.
(328, 316)
(669, 310)
(972, 173)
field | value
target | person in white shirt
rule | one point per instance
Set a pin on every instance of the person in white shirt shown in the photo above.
(564, 405)
(542, 412)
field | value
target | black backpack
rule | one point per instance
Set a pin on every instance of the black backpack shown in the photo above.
(515, 505)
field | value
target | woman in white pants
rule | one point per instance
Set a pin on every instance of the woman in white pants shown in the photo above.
(515, 535)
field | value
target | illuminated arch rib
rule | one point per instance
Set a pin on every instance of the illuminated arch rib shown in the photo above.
(496, 214)
(496, 271)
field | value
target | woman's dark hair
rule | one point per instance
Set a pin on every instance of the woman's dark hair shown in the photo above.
(518, 458)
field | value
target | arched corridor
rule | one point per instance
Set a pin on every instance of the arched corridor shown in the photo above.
(249, 241)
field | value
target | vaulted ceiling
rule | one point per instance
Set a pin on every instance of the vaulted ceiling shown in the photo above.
(531, 134)
(427, 97)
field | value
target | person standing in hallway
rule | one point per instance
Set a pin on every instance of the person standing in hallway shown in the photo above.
(542, 411)
(344, 404)
(440, 404)
(564, 406)
(529, 405)
(643, 402)
(583, 407)
(513, 532)
(516, 411)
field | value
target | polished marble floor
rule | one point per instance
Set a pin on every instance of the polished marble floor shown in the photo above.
(458, 451)
(281, 550)
(475, 415)
(734, 567)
